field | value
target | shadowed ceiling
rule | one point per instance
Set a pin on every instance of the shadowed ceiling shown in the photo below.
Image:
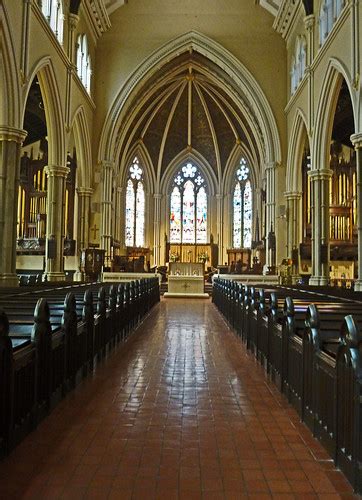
(188, 108)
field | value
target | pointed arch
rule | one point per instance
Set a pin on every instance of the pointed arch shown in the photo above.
(192, 157)
(141, 152)
(10, 111)
(228, 180)
(335, 74)
(49, 87)
(254, 103)
(80, 129)
(295, 151)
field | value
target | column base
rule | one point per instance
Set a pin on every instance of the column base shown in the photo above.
(318, 281)
(54, 276)
(358, 286)
(9, 280)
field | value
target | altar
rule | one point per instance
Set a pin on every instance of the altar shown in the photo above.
(186, 279)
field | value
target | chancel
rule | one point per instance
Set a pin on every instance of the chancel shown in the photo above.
(180, 192)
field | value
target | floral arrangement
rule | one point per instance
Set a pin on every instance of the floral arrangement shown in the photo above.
(174, 257)
(203, 257)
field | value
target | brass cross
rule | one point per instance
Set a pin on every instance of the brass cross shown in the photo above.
(95, 231)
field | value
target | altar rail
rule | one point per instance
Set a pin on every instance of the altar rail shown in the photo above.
(49, 344)
(310, 345)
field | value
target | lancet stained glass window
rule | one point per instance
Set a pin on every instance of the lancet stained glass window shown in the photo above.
(242, 207)
(135, 206)
(188, 207)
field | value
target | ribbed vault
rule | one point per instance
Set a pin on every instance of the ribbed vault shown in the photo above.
(187, 107)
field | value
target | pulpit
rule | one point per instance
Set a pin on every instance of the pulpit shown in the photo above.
(186, 279)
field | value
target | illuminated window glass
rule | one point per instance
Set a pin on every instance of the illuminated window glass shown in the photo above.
(175, 216)
(188, 207)
(135, 207)
(53, 12)
(242, 208)
(83, 62)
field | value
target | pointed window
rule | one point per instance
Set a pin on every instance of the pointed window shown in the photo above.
(83, 62)
(242, 207)
(135, 206)
(188, 206)
(53, 12)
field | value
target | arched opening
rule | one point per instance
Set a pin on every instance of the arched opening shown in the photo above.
(343, 192)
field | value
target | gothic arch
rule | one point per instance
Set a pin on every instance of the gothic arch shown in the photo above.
(254, 105)
(44, 70)
(228, 180)
(295, 151)
(325, 113)
(199, 161)
(10, 114)
(83, 143)
(141, 152)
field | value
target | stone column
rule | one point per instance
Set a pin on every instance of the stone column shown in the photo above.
(84, 197)
(270, 171)
(156, 229)
(293, 216)
(11, 140)
(55, 230)
(119, 228)
(309, 23)
(320, 226)
(106, 209)
(73, 23)
(356, 140)
(220, 227)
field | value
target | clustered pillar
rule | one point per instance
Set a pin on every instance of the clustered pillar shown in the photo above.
(356, 140)
(55, 232)
(106, 210)
(11, 140)
(320, 221)
(157, 222)
(84, 197)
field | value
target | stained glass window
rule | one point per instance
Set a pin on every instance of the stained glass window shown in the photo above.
(242, 207)
(188, 207)
(135, 207)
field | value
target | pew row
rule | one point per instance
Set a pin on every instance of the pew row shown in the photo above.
(49, 344)
(310, 345)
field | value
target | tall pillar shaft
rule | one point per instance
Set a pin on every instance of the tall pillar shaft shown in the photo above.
(220, 226)
(10, 149)
(55, 232)
(106, 210)
(119, 228)
(357, 142)
(84, 197)
(156, 231)
(270, 171)
(320, 226)
(293, 217)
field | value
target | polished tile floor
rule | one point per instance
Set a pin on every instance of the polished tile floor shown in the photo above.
(181, 412)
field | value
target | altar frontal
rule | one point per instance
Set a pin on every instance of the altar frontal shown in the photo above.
(186, 279)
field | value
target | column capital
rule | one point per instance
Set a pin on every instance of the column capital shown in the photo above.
(356, 140)
(293, 195)
(107, 164)
(157, 196)
(73, 21)
(12, 134)
(309, 22)
(85, 191)
(219, 196)
(271, 165)
(57, 171)
(120, 189)
(320, 174)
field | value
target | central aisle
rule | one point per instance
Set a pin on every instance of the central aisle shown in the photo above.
(181, 412)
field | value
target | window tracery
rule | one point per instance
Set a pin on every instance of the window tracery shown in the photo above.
(53, 12)
(329, 13)
(83, 61)
(242, 207)
(188, 206)
(135, 206)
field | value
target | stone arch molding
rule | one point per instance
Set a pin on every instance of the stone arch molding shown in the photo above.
(79, 126)
(294, 151)
(324, 116)
(254, 104)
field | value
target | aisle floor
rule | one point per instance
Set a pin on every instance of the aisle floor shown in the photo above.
(180, 412)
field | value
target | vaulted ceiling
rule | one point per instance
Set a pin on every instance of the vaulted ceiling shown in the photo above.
(186, 109)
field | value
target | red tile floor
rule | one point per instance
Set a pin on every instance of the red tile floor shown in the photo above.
(181, 412)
